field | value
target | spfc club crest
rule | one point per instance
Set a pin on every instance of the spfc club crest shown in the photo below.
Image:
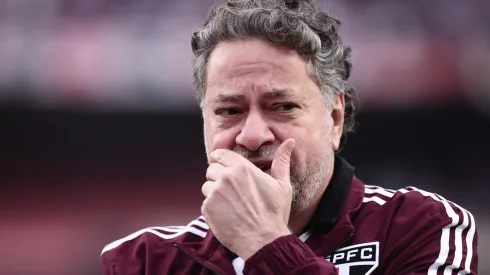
(359, 259)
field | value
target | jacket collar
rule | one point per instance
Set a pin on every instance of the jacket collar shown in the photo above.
(332, 225)
(333, 199)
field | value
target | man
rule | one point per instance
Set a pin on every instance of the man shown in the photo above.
(271, 79)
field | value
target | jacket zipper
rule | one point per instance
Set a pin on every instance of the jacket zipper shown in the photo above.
(196, 260)
(340, 245)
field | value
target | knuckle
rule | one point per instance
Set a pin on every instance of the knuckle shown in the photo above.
(210, 170)
(227, 176)
(215, 192)
(204, 207)
(216, 155)
(220, 190)
(239, 170)
(285, 161)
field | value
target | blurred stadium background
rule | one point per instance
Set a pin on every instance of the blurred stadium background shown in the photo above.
(100, 135)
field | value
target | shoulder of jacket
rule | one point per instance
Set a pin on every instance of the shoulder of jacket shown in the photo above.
(197, 228)
(415, 198)
(418, 220)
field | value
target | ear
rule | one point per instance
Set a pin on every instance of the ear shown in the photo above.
(338, 110)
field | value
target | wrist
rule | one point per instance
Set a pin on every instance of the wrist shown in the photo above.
(281, 257)
(251, 246)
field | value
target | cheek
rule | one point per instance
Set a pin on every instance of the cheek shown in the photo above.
(216, 138)
(312, 145)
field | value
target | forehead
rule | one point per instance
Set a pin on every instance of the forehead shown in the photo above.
(257, 63)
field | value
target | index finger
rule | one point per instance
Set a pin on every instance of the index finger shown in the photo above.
(225, 157)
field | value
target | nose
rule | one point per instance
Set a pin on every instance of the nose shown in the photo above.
(255, 132)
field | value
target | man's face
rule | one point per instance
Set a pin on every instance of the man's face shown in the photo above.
(257, 96)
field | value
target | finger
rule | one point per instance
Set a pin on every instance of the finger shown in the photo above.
(214, 171)
(208, 187)
(282, 161)
(225, 157)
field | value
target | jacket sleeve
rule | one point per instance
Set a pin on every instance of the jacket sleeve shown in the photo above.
(439, 237)
(287, 255)
(125, 256)
(108, 266)
(116, 263)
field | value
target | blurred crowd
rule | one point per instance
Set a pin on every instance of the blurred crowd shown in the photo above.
(136, 54)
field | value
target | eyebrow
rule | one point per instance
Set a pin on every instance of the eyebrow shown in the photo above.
(275, 93)
(279, 93)
(224, 98)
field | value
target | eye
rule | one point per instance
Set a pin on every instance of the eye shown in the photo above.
(228, 112)
(285, 107)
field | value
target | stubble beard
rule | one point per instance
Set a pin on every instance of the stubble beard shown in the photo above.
(304, 182)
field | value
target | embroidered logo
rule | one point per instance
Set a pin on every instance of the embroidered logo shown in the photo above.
(359, 259)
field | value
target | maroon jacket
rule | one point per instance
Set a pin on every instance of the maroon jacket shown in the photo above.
(357, 229)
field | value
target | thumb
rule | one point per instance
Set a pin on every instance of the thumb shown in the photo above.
(282, 161)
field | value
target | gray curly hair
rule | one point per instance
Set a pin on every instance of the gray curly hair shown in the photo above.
(298, 25)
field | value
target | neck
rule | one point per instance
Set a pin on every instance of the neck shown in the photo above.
(299, 220)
